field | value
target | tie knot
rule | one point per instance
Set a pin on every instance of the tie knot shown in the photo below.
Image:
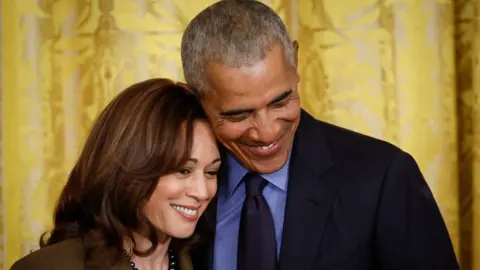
(254, 184)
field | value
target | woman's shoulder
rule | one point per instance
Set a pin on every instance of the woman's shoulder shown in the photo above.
(67, 254)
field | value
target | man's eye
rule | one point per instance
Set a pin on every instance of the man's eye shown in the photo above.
(280, 104)
(237, 118)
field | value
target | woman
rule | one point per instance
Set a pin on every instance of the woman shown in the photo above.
(146, 174)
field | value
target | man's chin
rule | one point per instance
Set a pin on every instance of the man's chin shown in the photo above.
(267, 170)
(259, 164)
(267, 166)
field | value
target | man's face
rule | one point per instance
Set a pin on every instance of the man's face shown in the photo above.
(255, 110)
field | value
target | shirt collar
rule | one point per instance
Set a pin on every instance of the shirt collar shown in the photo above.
(236, 172)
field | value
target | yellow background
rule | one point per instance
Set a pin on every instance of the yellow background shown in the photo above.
(402, 70)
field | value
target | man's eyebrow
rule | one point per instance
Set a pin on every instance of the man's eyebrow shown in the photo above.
(277, 99)
(281, 97)
(234, 112)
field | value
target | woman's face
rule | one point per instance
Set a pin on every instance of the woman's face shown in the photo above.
(181, 198)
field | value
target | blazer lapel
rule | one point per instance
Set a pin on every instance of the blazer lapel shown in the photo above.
(311, 189)
(101, 258)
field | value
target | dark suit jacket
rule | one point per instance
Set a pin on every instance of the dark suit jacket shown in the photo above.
(69, 255)
(353, 203)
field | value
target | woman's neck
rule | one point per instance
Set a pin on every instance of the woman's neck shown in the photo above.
(158, 260)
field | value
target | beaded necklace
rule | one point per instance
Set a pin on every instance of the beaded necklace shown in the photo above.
(172, 262)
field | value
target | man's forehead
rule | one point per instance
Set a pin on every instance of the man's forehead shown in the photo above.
(251, 82)
(225, 101)
(224, 77)
(269, 70)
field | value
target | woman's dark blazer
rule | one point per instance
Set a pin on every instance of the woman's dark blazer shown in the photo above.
(69, 255)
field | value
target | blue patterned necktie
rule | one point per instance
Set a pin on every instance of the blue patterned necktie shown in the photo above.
(256, 240)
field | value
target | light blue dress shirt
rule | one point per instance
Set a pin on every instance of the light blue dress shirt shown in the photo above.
(229, 208)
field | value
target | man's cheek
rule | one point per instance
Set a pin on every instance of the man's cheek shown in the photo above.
(229, 133)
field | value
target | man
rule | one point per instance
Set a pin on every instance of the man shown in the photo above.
(298, 193)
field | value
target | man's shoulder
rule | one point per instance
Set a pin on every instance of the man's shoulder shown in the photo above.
(343, 139)
(352, 150)
(67, 254)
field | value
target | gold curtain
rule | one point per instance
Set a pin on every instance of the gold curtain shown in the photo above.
(400, 70)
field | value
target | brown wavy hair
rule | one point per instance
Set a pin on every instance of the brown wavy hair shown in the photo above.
(144, 133)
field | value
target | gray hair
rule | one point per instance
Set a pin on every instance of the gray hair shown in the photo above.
(232, 32)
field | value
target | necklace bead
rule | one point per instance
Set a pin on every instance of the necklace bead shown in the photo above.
(171, 261)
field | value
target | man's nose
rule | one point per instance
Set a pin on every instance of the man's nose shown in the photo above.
(265, 127)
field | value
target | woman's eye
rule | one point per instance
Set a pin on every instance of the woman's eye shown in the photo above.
(212, 173)
(184, 171)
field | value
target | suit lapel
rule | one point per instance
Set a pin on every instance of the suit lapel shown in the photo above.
(202, 256)
(311, 189)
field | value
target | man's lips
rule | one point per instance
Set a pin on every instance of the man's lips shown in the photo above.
(266, 149)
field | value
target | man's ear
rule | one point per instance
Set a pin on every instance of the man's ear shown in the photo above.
(295, 51)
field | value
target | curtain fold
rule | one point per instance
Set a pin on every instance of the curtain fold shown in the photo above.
(467, 53)
(399, 70)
